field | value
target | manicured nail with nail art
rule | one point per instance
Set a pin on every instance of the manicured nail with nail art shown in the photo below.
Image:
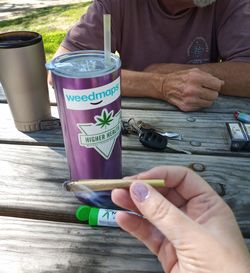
(140, 191)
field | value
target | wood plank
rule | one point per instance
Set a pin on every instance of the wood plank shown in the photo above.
(28, 246)
(224, 104)
(9, 133)
(31, 180)
(206, 135)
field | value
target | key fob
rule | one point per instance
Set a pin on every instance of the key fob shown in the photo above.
(153, 140)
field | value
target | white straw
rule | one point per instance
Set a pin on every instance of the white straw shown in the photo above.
(107, 38)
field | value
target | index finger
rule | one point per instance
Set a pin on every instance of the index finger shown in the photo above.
(211, 82)
(184, 181)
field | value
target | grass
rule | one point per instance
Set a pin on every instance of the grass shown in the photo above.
(51, 22)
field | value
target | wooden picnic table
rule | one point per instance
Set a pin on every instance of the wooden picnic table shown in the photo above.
(39, 232)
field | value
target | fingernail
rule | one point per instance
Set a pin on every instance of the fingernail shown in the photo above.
(140, 191)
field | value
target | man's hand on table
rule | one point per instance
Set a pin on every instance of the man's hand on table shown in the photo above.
(234, 73)
(190, 89)
(187, 225)
(187, 88)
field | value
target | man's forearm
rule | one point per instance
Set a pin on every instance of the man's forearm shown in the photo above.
(141, 84)
(236, 75)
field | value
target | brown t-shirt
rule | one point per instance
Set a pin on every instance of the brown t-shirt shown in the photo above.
(143, 33)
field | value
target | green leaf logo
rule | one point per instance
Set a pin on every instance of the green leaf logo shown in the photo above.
(104, 119)
(102, 134)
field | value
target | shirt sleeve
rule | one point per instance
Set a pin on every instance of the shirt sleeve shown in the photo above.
(233, 31)
(88, 32)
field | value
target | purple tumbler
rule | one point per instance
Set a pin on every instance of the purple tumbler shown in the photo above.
(89, 102)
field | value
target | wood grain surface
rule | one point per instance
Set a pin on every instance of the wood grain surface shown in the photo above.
(195, 134)
(31, 183)
(39, 230)
(41, 246)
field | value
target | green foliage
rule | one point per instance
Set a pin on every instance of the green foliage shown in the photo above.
(51, 22)
(51, 42)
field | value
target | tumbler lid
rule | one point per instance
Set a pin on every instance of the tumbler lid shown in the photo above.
(83, 64)
(17, 39)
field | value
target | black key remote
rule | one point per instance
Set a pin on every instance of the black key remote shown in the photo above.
(153, 140)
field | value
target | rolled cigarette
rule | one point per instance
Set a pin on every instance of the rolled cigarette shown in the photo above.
(108, 184)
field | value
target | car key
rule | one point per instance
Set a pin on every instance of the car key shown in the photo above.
(153, 140)
(143, 126)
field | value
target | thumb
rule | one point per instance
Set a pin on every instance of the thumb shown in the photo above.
(166, 217)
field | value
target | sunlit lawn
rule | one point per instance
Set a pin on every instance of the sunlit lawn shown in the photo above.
(51, 22)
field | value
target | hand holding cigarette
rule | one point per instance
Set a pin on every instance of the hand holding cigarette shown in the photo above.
(186, 220)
